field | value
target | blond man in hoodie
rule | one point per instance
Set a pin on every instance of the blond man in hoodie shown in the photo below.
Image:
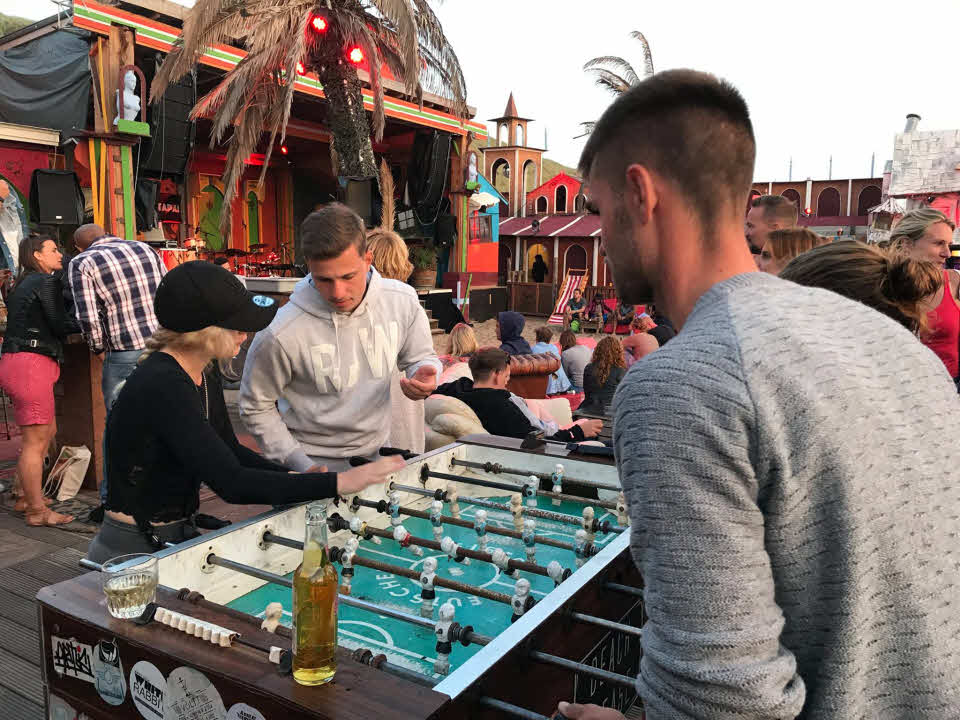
(316, 383)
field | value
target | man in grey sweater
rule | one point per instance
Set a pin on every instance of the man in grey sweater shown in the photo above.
(788, 459)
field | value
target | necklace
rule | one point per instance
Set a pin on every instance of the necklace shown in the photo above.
(204, 398)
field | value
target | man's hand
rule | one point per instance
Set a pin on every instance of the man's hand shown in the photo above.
(316, 468)
(423, 382)
(591, 427)
(356, 479)
(588, 712)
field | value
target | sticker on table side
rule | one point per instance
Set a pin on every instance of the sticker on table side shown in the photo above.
(242, 711)
(72, 659)
(147, 690)
(191, 696)
(60, 709)
(108, 670)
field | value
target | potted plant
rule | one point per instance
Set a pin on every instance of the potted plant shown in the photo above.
(424, 259)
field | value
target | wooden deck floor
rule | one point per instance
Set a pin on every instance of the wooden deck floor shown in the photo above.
(30, 558)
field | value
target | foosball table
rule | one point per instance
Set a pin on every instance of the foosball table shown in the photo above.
(484, 580)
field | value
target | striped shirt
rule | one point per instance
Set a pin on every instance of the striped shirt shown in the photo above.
(113, 283)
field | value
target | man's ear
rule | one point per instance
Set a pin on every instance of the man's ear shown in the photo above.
(368, 257)
(640, 194)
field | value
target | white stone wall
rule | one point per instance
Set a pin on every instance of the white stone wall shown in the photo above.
(926, 162)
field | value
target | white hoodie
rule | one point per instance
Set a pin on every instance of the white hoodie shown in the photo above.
(317, 382)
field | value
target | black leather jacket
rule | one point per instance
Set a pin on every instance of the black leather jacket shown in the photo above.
(36, 319)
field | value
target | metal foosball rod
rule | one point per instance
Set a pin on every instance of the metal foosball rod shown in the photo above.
(510, 709)
(497, 468)
(607, 624)
(470, 637)
(336, 554)
(365, 656)
(603, 527)
(426, 473)
(381, 506)
(590, 670)
(627, 589)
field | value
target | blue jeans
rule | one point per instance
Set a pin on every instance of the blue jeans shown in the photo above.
(117, 366)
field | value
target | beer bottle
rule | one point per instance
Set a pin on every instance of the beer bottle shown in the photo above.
(315, 605)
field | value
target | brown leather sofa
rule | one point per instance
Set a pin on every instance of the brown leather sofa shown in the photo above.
(529, 374)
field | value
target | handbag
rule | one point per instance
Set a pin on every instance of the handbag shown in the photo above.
(67, 474)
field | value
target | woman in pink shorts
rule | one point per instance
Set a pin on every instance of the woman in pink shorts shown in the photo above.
(30, 365)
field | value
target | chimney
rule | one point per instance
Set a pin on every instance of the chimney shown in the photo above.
(912, 120)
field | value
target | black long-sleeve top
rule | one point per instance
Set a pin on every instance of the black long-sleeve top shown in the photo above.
(36, 319)
(597, 396)
(160, 447)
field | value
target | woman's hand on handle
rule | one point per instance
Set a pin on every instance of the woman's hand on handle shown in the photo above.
(356, 479)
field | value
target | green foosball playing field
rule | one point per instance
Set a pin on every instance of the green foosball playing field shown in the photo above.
(414, 647)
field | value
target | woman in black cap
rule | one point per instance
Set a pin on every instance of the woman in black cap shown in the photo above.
(169, 430)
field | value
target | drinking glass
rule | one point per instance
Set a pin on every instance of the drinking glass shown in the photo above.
(130, 584)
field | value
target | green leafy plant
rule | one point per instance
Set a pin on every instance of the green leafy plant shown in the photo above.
(423, 257)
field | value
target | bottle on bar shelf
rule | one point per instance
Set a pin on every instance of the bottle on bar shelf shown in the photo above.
(315, 585)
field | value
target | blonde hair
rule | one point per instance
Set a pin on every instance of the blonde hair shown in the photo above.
(914, 226)
(786, 244)
(215, 341)
(390, 255)
(462, 340)
(892, 283)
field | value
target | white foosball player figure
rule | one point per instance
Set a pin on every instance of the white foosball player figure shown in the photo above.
(436, 519)
(502, 561)
(530, 490)
(555, 572)
(516, 507)
(580, 547)
(453, 497)
(346, 560)
(359, 528)
(444, 643)
(403, 536)
(271, 617)
(529, 540)
(450, 547)
(622, 518)
(587, 523)
(521, 600)
(427, 593)
(480, 526)
(393, 508)
(557, 478)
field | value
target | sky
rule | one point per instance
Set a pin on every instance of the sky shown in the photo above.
(821, 78)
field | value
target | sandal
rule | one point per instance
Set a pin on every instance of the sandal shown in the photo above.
(47, 518)
(20, 505)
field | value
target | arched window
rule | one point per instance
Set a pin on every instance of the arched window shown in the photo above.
(579, 203)
(520, 135)
(500, 175)
(793, 196)
(211, 203)
(560, 199)
(828, 202)
(575, 258)
(542, 204)
(253, 219)
(501, 133)
(870, 197)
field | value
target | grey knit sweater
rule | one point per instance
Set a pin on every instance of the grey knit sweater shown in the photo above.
(791, 462)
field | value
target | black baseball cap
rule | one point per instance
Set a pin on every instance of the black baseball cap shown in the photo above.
(199, 294)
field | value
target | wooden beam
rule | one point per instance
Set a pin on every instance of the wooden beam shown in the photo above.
(164, 7)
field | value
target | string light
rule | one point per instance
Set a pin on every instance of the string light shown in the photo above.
(356, 56)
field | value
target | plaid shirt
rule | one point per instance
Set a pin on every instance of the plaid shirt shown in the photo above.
(113, 283)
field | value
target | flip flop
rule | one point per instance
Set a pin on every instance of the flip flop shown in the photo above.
(21, 504)
(47, 518)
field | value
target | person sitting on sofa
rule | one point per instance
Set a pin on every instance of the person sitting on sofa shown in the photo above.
(499, 410)
(558, 381)
(510, 333)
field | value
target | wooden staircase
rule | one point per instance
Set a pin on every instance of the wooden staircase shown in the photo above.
(435, 328)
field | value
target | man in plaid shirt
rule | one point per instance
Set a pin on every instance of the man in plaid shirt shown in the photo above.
(113, 283)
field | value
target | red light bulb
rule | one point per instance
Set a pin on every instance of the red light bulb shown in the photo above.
(319, 23)
(283, 150)
(356, 56)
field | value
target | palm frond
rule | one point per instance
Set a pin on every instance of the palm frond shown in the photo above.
(614, 64)
(647, 55)
(388, 215)
(355, 31)
(610, 81)
(588, 127)
(403, 24)
(440, 73)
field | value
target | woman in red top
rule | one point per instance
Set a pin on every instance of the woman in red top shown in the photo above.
(925, 234)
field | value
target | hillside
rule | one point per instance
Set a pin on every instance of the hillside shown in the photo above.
(551, 168)
(9, 23)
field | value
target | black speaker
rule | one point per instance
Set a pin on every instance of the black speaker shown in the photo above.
(172, 133)
(55, 198)
(361, 195)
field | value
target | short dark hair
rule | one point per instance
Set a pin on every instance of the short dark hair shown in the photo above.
(689, 127)
(329, 231)
(567, 339)
(777, 207)
(487, 361)
(543, 334)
